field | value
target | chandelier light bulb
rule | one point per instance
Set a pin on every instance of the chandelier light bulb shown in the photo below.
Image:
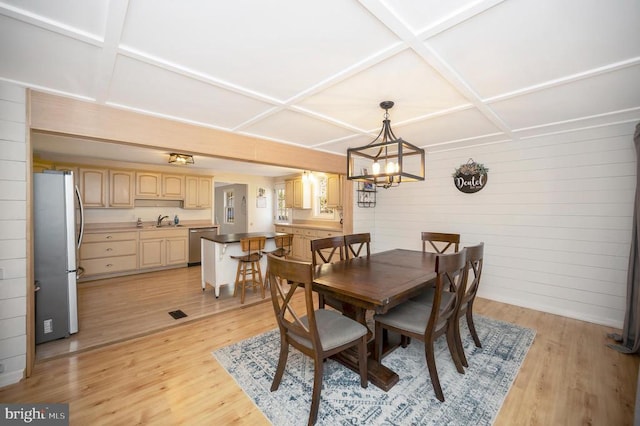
(391, 167)
(375, 168)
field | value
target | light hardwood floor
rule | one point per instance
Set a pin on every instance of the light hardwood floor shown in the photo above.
(117, 309)
(569, 376)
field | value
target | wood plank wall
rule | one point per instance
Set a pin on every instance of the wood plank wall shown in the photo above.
(556, 218)
(14, 165)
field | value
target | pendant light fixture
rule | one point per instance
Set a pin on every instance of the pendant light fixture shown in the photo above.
(387, 160)
(175, 158)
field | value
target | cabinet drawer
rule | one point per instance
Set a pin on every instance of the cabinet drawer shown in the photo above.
(309, 233)
(298, 231)
(164, 233)
(328, 234)
(108, 249)
(110, 264)
(283, 229)
(110, 236)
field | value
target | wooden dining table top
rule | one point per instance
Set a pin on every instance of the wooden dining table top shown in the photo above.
(379, 282)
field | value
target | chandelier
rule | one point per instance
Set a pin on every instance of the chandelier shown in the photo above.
(387, 160)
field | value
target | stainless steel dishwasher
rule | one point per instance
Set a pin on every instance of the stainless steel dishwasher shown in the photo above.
(194, 242)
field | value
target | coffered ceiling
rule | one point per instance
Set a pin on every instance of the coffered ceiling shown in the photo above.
(312, 74)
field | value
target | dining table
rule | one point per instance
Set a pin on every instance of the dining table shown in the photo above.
(376, 283)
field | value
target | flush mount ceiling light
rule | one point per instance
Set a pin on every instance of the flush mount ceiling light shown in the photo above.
(387, 160)
(180, 158)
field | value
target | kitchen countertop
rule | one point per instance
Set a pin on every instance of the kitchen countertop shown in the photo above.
(146, 226)
(235, 238)
(332, 227)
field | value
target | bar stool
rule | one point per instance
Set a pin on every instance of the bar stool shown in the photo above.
(283, 250)
(249, 264)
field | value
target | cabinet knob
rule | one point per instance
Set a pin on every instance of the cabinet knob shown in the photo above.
(108, 237)
(109, 265)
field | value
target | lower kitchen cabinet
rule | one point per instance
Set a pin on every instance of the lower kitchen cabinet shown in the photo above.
(159, 248)
(302, 237)
(109, 252)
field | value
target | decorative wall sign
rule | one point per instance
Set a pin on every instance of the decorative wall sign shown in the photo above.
(470, 177)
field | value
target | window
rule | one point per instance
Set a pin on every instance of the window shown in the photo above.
(229, 211)
(320, 199)
(281, 211)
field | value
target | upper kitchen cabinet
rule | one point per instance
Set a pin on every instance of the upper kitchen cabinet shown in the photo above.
(148, 185)
(92, 183)
(288, 194)
(121, 188)
(198, 192)
(152, 185)
(173, 186)
(301, 193)
(100, 188)
(334, 190)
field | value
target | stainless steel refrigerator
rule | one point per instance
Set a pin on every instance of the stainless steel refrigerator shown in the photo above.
(57, 232)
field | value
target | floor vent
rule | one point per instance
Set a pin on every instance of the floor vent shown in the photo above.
(177, 314)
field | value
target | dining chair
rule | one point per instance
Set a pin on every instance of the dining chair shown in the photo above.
(475, 259)
(283, 249)
(327, 250)
(316, 333)
(356, 244)
(426, 321)
(440, 242)
(249, 265)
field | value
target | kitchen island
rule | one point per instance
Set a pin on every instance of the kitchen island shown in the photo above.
(218, 268)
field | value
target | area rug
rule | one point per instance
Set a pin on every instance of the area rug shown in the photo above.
(473, 398)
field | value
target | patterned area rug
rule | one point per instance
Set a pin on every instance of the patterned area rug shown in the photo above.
(470, 399)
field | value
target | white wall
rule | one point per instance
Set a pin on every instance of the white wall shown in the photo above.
(13, 250)
(555, 216)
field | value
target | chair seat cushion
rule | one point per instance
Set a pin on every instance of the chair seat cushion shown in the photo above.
(334, 329)
(411, 315)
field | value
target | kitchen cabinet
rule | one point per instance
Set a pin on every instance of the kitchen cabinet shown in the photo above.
(334, 190)
(148, 185)
(302, 237)
(301, 194)
(121, 188)
(92, 183)
(151, 185)
(173, 187)
(197, 192)
(165, 247)
(288, 194)
(109, 252)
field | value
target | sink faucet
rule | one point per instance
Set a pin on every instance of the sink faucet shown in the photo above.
(160, 219)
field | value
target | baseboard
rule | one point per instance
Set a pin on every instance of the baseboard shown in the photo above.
(11, 377)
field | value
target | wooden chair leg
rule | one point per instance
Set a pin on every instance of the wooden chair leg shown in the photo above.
(244, 282)
(472, 326)
(458, 339)
(282, 362)
(260, 279)
(320, 301)
(453, 346)
(237, 283)
(317, 387)
(433, 371)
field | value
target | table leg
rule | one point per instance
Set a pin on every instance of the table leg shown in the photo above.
(378, 374)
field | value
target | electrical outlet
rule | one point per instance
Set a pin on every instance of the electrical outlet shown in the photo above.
(1, 368)
(1, 273)
(48, 326)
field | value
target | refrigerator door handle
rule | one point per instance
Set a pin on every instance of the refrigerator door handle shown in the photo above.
(81, 232)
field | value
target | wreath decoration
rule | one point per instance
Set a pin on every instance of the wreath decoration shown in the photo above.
(470, 177)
